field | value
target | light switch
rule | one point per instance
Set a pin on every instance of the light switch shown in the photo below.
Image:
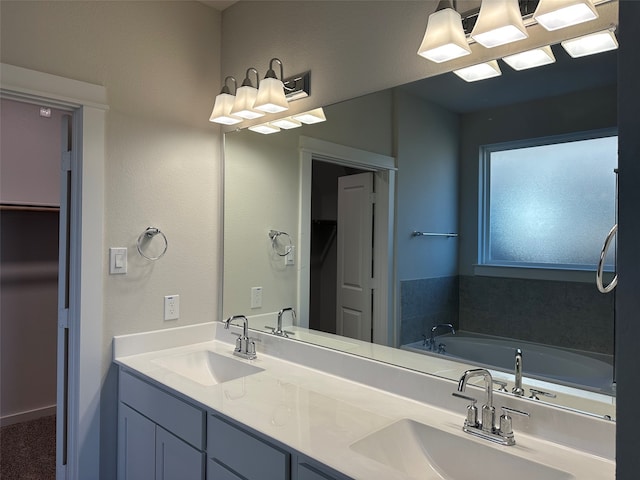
(117, 260)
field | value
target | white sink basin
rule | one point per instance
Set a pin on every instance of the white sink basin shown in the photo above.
(206, 367)
(426, 453)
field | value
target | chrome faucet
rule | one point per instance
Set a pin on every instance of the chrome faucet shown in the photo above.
(278, 330)
(432, 341)
(517, 389)
(487, 429)
(245, 347)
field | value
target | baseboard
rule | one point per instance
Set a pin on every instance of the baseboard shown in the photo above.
(28, 415)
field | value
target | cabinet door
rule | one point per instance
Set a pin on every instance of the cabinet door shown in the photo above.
(215, 471)
(175, 459)
(136, 445)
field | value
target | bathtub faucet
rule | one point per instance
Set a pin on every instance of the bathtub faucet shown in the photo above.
(517, 388)
(432, 341)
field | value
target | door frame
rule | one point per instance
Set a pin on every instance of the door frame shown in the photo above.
(88, 103)
(384, 169)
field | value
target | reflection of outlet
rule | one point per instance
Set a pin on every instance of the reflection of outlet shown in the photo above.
(289, 258)
(172, 307)
(256, 297)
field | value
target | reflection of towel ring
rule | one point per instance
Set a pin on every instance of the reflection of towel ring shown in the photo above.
(603, 254)
(273, 235)
(148, 234)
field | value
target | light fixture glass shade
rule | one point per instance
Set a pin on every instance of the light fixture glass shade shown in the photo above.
(271, 98)
(311, 117)
(555, 14)
(222, 110)
(480, 71)
(531, 58)
(243, 105)
(286, 123)
(499, 22)
(591, 44)
(264, 128)
(444, 39)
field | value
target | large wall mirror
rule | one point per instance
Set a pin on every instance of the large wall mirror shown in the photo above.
(511, 187)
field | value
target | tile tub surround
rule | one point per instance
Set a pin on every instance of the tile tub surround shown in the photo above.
(427, 302)
(337, 398)
(563, 314)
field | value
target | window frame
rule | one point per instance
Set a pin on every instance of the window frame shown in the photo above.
(557, 271)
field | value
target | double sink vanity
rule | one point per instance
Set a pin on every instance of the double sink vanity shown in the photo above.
(190, 409)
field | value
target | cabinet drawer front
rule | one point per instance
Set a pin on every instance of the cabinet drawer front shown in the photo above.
(244, 453)
(184, 420)
(215, 471)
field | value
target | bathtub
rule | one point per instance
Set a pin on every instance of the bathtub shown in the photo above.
(568, 367)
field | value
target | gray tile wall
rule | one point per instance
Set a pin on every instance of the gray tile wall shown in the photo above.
(565, 314)
(427, 302)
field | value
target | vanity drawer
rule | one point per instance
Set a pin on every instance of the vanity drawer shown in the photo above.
(215, 471)
(182, 419)
(244, 453)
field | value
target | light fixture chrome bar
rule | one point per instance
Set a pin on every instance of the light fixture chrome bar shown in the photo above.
(297, 86)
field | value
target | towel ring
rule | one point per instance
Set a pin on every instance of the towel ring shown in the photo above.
(273, 235)
(148, 234)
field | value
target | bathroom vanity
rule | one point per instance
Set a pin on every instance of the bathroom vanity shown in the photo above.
(189, 409)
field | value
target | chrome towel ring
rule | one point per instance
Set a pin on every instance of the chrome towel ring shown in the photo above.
(602, 288)
(273, 235)
(146, 236)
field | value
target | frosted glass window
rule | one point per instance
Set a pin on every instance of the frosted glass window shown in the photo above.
(551, 204)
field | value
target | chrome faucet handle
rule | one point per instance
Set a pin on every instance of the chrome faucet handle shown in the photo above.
(535, 392)
(472, 410)
(506, 424)
(502, 386)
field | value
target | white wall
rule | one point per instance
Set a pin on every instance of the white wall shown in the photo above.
(159, 62)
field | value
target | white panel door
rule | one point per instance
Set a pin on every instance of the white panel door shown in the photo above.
(355, 253)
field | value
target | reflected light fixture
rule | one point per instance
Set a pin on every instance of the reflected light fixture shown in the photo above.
(531, 58)
(224, 103)
(499, 22)
(246, 97)
(555, 14)
(264, 128)
(590, 44)
(311, 117)
(444, 38)
(271, 97)
(286, 123)
(480, 71)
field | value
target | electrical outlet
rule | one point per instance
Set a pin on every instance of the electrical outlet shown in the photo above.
(256, 297)
(172, 307)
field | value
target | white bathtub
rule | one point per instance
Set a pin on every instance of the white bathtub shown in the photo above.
(568, 367)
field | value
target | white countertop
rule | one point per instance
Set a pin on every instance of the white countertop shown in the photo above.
(320, 415)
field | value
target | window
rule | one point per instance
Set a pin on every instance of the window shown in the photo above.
(549, 205)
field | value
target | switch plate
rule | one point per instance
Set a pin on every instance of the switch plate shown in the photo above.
(290, 258)
(256, 297)
(117, 260)
(172, 307)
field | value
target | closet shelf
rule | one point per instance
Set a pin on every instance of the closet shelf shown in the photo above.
(12, 207)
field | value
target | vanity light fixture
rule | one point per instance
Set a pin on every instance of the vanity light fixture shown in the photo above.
(286, 123)
(499, 22)
(271, 97)
(556, 14)
(264, 128)
(480, 71)
(444, 38)
(224, 103)
(531, 58)
(246, 98)
(312, 116)
(590, 44)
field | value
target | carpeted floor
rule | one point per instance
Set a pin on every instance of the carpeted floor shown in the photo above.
(28, 450)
